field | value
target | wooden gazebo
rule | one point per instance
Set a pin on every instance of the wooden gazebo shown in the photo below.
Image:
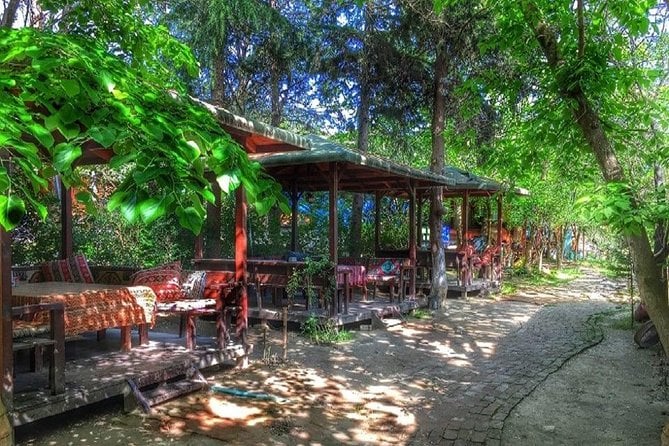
(255, 138)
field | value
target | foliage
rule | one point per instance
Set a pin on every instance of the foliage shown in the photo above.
(421, 313)
(324, 331)
(522, 278)
(65, 91)
(316, 271)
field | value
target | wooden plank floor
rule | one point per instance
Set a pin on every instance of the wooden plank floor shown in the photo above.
(97, 370)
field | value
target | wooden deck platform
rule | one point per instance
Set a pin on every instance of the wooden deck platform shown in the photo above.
(97, 370)
(476, 286)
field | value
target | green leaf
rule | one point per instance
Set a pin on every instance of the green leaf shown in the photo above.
(129, 208)
(263, 206)
(41, 134)
(71, 87)
(69, 114)
(190, 219)
(64, 155)
(105, 136)
(41, 209)
(119, 160)
(116, 199)
(229, 181)
(153, 208)
(70, 131)
(12, 210)
(52, 122)
(86, 198)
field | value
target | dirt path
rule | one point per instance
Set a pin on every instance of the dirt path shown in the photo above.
(478, 372)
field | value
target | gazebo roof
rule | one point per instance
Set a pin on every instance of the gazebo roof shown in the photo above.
(358, 172)
(475, 184)
(256, 136)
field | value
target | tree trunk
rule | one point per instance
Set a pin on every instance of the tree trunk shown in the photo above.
(10, 13)
(559, 254)
(439, 290)
(661, 241)
(355, 236)
(652, 288)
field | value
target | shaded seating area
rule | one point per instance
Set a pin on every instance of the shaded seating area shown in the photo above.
(102, 308)
(328, 167)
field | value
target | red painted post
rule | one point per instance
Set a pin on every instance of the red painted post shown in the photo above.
(241, 260)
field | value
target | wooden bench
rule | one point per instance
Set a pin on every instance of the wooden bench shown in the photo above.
(37, 337)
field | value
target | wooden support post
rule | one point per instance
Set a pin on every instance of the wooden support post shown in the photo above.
(412, 241)
(198, 253)
(57, 366)
(465, 217)
(419, 217)
(6, 320)
(241, 262)
(334, 233)
(334, 221)
(377, 221)
(143, 330)
(126, 338)
(66, 240)
(294, 201)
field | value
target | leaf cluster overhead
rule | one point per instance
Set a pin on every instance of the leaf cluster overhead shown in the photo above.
(61, 95)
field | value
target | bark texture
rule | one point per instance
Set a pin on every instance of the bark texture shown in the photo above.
(439, 289)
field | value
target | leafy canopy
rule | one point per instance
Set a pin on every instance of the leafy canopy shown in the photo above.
(59, 94)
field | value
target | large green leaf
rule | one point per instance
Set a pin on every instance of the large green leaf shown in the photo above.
(12, 210)
(105, 136)
(64, 154)
(43, 135)
(190, 219)
(154, 208)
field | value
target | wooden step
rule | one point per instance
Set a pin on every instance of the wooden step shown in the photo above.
(134, 397)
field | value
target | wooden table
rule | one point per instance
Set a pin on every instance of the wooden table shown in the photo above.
(94, 307)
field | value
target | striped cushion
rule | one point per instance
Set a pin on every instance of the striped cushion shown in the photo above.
(72, 269)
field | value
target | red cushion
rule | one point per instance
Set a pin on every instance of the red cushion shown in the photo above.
(72, 269)
(164, 280)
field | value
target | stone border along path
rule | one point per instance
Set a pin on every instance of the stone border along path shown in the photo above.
(532, 342)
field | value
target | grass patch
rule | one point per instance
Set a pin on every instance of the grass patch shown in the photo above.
(520, 278)
(421, 313)
(608, 269)
(620, 319)
(325, 332)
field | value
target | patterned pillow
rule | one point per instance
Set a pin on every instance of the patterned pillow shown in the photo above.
(193, 285)
(164, 280)
(72, 269)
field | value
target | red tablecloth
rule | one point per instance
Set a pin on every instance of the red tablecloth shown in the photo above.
(91, 307)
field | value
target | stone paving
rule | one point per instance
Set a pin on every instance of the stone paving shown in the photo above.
(511, 348)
